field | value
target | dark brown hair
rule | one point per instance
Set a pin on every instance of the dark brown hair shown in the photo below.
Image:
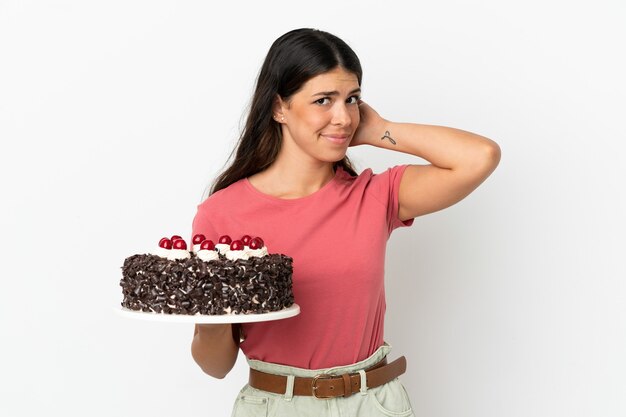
(292, 60)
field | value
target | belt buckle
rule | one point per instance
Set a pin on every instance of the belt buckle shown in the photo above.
(314, 384)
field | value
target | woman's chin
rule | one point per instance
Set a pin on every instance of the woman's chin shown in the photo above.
(336, 157)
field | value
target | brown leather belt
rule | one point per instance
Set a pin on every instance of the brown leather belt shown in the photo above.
(329, 385)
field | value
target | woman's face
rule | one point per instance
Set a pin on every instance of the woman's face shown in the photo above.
(321, 118)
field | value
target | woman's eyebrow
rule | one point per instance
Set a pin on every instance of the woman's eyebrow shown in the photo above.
(335, 93)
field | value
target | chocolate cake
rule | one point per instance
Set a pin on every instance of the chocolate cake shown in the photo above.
(236, 278)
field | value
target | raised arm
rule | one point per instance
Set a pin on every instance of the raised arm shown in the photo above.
(459, 161)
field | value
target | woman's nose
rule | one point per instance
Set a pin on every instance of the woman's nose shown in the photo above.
(341, 115)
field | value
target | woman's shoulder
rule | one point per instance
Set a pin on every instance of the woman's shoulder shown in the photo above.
(368, 175)
(345, 177)
(224, 197)
(369, 182)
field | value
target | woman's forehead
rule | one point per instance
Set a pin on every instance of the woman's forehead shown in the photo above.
(338, 80)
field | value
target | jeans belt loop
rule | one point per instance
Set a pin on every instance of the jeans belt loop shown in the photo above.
(289, 389)
(363, 388)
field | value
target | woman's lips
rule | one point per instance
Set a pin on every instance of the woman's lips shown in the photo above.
(340, 139)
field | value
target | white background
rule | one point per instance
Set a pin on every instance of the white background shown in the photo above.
(115, 116)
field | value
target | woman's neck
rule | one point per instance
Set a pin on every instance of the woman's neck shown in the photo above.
(292, 179)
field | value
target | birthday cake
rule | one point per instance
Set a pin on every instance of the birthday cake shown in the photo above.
(230, 277)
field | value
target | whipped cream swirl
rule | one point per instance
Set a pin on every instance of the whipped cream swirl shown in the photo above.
(236, 254)
(207, 255)
(257, 253)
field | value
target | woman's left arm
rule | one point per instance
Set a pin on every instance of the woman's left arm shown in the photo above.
(459, 161)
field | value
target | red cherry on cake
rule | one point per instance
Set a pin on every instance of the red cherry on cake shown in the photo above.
(165, 243)
(256, 243)
(198, 238)
(225, 239)
(236, 245)
(174, 237)
(246, 239)
(207, 245)
(179, 244)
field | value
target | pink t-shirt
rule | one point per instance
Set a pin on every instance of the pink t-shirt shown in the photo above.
(337, 238)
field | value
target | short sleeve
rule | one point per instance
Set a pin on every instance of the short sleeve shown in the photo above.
(202, 222)
(387, 187)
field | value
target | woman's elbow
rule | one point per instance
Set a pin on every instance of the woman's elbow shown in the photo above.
(490, 157)
(217, 366)
(214, 373)
(494, 152)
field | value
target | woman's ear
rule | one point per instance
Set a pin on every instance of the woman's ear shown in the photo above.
(277, 109)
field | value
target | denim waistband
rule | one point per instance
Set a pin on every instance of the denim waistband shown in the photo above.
(277, 369)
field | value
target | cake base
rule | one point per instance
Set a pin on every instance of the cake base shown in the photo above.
(285, 313)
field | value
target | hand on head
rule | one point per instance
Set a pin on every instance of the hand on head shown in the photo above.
(371, 127)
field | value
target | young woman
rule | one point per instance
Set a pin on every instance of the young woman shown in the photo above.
(292, 184)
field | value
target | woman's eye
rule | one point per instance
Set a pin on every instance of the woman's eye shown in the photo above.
(354, 99)
(323, 100)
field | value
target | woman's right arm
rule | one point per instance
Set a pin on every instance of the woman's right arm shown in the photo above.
(214, 349)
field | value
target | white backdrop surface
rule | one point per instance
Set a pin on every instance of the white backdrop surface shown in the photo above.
(115, 116)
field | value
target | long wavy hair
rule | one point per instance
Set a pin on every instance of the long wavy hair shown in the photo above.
(292, 60)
